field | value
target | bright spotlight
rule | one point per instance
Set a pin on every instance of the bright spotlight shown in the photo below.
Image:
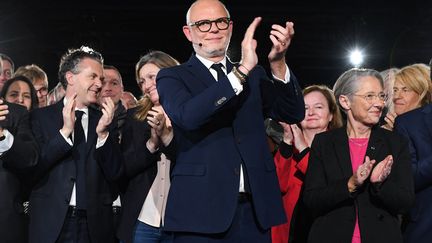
(356, 58)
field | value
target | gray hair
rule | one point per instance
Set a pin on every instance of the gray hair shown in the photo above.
(348, 83)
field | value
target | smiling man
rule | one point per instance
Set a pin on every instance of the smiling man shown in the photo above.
(72, 197)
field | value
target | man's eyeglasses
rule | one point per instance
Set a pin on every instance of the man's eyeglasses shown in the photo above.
(7, 73)
(372, 96)
(42, 90)
(205, 25)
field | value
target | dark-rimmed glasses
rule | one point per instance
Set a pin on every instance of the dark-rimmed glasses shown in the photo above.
(43, 90)
(205, 25)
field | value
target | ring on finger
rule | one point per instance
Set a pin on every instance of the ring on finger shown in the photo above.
(283, 43)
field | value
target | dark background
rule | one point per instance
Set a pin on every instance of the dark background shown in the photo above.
(392, 33)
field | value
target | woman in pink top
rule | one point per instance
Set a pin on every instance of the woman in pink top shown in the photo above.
(359, 176)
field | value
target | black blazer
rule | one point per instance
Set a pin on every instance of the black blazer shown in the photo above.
(55, 175)
(14, 164)
(326, 191)
(139, 169)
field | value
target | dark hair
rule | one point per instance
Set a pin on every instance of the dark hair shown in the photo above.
(33, 95)
(7, 58)
(70, 61)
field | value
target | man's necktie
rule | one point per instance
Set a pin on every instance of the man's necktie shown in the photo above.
(218, 68)
(79, 153)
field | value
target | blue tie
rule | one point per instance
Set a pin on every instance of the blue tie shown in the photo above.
(79, 155)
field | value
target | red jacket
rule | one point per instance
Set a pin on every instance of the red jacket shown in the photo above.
(290, 172)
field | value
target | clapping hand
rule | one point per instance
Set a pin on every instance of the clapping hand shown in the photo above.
(249, 57)
(68, 113)
(281, 38)
(108, 109)
(361, 174)
(382, 170)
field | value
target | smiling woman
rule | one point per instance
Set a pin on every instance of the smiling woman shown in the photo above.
(412, 88)
(348, 181)
(20, 90)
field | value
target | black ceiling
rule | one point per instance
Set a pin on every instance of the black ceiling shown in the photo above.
(392, 33)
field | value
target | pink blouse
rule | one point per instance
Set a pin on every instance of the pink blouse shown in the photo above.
(358, 147)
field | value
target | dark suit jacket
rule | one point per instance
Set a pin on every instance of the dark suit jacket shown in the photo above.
(139, 169)
(215, 132)
(326, 191)
(416, 125)
(14, 165)
(55, 175)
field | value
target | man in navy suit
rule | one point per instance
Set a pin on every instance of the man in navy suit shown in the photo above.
(416, 125)
(224, 186)
(72, 197)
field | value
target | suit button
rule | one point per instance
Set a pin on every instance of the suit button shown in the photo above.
(220, 101)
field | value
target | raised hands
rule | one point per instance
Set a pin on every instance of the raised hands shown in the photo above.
(377, 174)
(281, 38)
(361, 174)
(108, 109)
(293, 133)
(69, 115)
(389, 119)
(161, 129)
(382, 170)
(249, 57)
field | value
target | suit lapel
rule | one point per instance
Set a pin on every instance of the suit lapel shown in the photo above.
(375, 143)
(200, 71)
(340, 143)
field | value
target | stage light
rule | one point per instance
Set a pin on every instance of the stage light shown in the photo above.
(356, 57)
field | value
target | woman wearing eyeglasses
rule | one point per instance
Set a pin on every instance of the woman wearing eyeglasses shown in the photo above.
(359, 176)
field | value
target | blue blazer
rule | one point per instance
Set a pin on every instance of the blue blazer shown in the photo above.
(216, 131)
(55, 174)
(416, 125)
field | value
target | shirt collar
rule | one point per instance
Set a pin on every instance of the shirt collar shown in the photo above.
(85, 109)
(208, 63)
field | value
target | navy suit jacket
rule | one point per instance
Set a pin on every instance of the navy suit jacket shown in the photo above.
(416, 125)
(216, 131)
(378, 205)
(14, 166)
(55, 175)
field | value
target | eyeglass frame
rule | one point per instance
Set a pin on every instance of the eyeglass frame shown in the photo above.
(40, 90)
(370, 97)
(210, 22)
